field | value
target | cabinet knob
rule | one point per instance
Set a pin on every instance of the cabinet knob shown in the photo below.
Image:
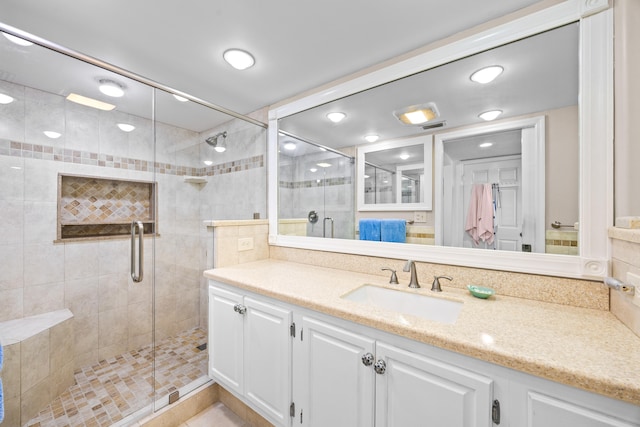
(239, 308)
(367, 359)
(380, 367)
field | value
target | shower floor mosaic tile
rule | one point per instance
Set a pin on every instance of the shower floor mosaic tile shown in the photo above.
(110, 390)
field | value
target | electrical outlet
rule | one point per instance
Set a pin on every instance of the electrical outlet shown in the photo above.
(634, 279)
(245, 244)
(419, 216)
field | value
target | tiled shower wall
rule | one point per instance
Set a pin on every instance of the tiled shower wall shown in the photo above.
(91, 278)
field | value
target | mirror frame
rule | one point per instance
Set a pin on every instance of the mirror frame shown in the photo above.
(427, 144)
(596, 146)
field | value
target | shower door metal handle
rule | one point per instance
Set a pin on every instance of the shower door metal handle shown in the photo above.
(140, 227)
(324, 229)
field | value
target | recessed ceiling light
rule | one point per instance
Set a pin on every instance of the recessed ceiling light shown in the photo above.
(17, 40)
(324, 165)
(51, 134)
(371, 137)
(417, 114)
(5, 99)
(208, 162)
(180, 98)
(125, 127)
(487, 74)
(485, 145)
(290, 146)
(239, 59)
(490, 115)
(366, 177)
(90, 102)
(404, 156)
(336, 117)
(111, 88)
(313, 169)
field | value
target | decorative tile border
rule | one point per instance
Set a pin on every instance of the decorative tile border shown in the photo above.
(311, 183)
(44, 152)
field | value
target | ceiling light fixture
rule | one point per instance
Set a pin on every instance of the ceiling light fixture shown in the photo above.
(371, 137)
(180, 98)
(485, 145)
(125, 127)
(404, 156)
(5, 99)
(51, 134)
(313, 169)
(238, 58)
(417, 114)
(111, 88)
(324, 165)
(208, 162)
(290, 146)
(336, 117)
(17, 40)
(487, 74)
(490, 115)
(90, 102)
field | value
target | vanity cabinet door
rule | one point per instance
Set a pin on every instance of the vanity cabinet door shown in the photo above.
(226, 345)
(267, 358)
(548, 411)
(415, 390)
(336, 385)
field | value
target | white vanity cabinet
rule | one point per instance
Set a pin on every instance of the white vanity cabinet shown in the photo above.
(335, 379)
(349, 379)
(539, 403)
(250, 350)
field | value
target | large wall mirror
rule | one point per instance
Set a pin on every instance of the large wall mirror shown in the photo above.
(427, 154)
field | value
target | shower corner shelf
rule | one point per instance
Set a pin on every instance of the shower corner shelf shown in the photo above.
(195, 179)
(91, 208)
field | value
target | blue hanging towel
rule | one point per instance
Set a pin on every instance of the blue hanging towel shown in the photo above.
(393, 230)
(1, 403)
(370, 229)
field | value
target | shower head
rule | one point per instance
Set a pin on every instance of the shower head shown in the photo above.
(213, 141)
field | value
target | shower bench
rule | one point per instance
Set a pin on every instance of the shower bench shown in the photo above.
(38, 362)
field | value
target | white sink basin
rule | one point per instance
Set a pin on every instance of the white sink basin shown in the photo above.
(438, 309)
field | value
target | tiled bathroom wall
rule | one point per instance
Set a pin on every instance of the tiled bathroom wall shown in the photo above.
(625, 260)
(91, 278)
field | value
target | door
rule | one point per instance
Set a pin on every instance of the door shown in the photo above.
(416, 391)
(338, 387)
(267, 358)
(547, 411)
(506, 173)
(226, 345)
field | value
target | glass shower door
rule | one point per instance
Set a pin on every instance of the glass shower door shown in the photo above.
(76, 167)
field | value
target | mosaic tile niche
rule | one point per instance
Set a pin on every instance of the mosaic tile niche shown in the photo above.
(90, 207)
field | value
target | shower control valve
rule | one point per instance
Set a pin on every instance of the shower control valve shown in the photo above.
(240, 309)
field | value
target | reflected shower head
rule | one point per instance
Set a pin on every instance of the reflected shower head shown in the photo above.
(213, 141)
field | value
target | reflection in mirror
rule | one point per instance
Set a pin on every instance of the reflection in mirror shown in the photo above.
(316, 190)
(539, 78)
(395, 175)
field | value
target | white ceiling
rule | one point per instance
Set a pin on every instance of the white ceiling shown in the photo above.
(298, 44)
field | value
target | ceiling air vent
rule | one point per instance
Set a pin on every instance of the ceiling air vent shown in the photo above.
(435, 125)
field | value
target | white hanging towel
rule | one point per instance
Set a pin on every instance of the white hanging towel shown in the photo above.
(479, 223)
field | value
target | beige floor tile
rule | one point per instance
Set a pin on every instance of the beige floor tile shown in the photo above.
(218, 415)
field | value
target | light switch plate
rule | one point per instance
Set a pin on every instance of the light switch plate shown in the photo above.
(634, 279)
(419, 216)
(245, 244)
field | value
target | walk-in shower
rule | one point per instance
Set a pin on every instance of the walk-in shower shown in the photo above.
(97, 330)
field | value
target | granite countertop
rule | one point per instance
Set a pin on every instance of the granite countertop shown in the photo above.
(584, 348)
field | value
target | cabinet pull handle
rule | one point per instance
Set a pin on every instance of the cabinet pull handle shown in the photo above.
(380, 367)
(240, 309)
(367, 359)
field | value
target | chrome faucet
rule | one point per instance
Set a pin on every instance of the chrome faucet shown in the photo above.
(411, 266)
(435, 287)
